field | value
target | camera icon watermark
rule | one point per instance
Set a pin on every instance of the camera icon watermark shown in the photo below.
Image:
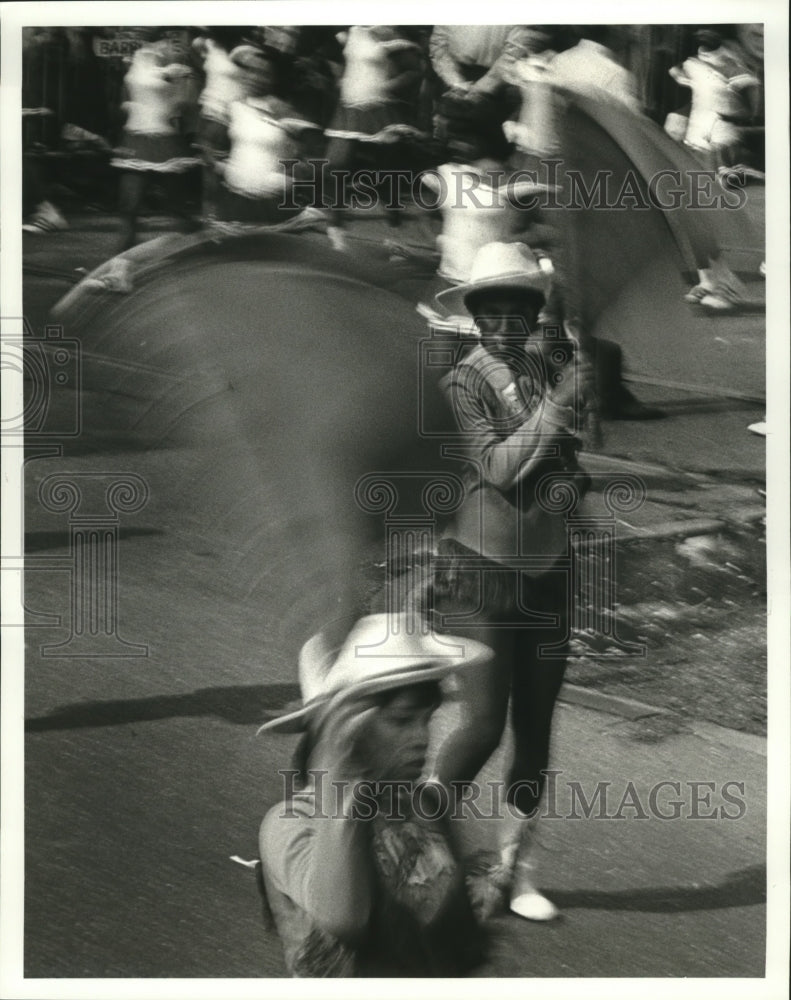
(50, 368)
(42, 376)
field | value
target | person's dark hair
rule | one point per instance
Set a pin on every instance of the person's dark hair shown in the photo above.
(594, 32)
(279, 65)
(708, 38)
(473, 129)
(430, 696)
(612, 36)
(476, 301)
(229, 35)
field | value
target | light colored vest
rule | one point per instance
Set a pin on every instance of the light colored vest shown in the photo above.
(473, 214)
(225, 83)
(368, 70)
(259, 142)
(713, 96)
(153, 97)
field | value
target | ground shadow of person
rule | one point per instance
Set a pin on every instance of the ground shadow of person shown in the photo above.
(745, 887)
(241, 704)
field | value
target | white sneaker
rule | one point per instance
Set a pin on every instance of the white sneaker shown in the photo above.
(726, 296)
(527, 901)
(717, 303)
(698, 292)
(759, 428)
(46, 219)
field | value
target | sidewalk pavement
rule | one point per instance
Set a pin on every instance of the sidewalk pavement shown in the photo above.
(642, 894)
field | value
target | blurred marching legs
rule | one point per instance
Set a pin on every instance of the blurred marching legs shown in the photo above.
(517, 850)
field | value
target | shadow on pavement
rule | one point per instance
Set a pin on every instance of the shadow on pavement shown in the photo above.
(242, 704)
(42, 541)
(746, 887)
(703, 404)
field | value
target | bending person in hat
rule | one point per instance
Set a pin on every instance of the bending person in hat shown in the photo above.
(358, 867)
(496, 577)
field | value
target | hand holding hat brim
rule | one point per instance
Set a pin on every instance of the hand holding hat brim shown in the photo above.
(375, 657)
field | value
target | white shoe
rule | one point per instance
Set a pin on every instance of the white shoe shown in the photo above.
(725, 292)
(517, 841)
(526, 900)
(759, 428)
(726, 296)
(698, 292)
(719, 303)
(46, 219)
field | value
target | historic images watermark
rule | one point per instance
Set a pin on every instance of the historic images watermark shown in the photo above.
(50, 367)
(564, 799)
(551, 186)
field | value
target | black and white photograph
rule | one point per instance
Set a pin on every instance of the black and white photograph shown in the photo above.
(395, 546)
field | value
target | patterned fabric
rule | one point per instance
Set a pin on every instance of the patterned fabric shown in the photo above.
(422, 922)
(416, 865)
(322, 956)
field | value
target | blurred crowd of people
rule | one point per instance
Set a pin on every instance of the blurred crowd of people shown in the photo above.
(239, 100)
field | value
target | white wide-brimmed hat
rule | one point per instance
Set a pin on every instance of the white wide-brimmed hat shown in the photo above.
(500, 265)
(381, 652)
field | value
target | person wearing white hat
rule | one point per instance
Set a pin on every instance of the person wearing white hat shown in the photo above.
(496, 578)
(358, 868)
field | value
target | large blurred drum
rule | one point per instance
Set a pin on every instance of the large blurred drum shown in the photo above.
(271, 392)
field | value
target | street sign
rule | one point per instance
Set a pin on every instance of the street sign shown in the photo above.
(124, 43)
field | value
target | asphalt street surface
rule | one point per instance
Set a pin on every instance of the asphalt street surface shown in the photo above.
(143, 772)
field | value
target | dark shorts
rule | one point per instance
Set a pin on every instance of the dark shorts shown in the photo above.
(213, 139)
(235, 207)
